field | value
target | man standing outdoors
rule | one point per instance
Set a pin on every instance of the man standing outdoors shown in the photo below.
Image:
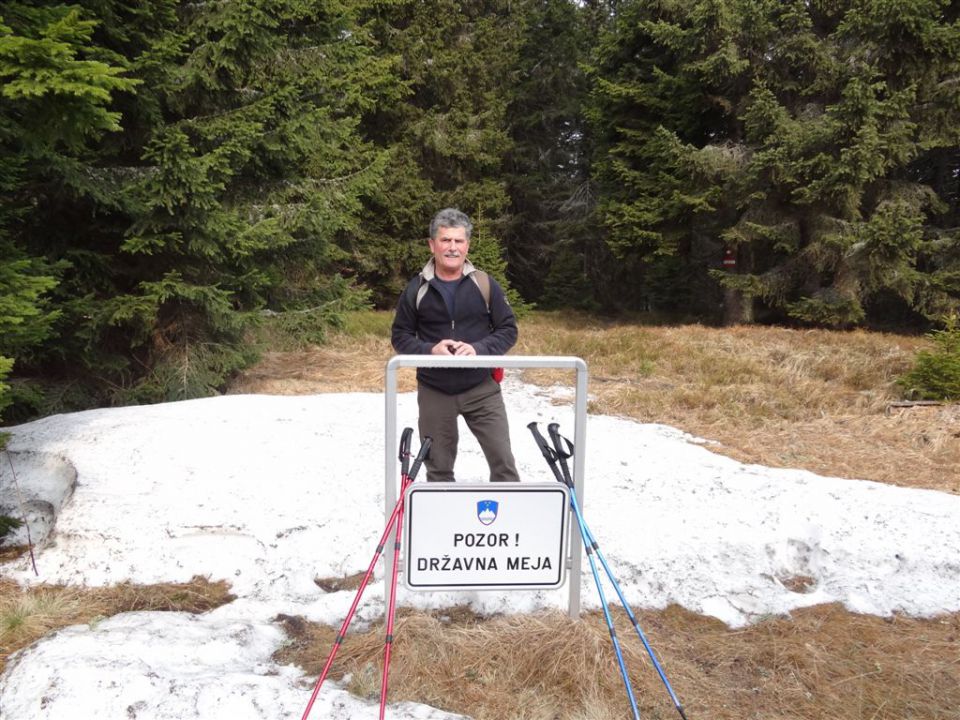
(444, 311)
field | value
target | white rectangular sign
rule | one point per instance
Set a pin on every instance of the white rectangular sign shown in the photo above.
(490, 536)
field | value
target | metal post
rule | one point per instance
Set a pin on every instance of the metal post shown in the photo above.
(391, 462)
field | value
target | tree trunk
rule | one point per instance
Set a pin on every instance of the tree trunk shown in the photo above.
(737, 307)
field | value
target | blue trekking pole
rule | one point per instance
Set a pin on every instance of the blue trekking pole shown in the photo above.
(563, 455)
(551, 459)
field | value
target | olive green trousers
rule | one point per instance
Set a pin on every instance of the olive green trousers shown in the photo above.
(483, 410)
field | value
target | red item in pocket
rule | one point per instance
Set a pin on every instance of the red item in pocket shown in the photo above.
(497, 374)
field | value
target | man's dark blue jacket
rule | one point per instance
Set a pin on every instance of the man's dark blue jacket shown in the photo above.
(416, 330)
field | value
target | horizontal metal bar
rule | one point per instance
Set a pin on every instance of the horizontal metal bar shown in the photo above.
(486, 361)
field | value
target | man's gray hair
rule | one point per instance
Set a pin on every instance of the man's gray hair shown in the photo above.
(450, 218)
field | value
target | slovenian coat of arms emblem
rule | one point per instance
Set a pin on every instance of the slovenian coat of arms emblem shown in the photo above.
(487, 511)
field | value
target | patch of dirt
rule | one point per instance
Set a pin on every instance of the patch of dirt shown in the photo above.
(335, 584)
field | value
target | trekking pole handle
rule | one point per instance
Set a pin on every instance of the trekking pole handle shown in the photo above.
(421, 456)
(549, 455)
(405, 449)
(554, 431)
(562, 455)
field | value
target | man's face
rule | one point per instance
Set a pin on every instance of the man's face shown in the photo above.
(449, 249)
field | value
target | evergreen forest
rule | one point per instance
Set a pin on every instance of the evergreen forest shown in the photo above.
(174, 173)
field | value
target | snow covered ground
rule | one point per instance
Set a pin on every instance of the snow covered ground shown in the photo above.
(270, 493)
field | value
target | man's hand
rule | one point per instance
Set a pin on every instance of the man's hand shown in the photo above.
(453, 347)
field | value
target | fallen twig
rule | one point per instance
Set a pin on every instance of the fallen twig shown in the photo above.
(912, 403)
(23, 513)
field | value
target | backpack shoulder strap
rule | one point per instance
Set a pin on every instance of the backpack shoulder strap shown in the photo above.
(483, 282)
(421, 291)
(415, 291)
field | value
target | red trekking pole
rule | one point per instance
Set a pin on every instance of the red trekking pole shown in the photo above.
(406, 478)
(392, 608)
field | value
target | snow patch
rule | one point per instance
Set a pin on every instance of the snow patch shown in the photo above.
(271, 493)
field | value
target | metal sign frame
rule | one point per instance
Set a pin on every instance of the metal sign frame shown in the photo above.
(392, 463)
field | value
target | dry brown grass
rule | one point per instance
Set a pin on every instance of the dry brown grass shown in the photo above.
(27, 614)
(821, 663)
(345, 365)
(813, 399)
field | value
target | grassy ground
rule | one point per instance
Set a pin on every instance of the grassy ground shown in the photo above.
(821, 663)
(28, 615)
(819, 400)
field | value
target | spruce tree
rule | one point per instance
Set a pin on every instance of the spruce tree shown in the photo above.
(216, 172)
(547, 168)
(56, 91)
(795, 135)
(446, 140)
(252, 184)
(646, 100)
